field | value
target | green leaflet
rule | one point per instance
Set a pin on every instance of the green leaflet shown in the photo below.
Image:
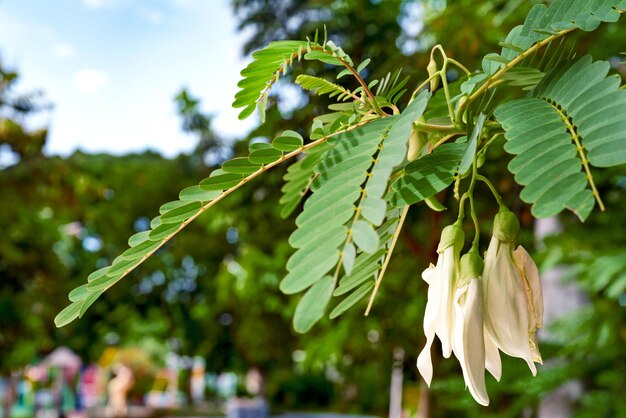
(288, 141)
(195, 193)
(241, 165)
(427, 175)
(138, 238)
(311, 307)
(539, 133)
(78, 293)
(97, 274)
(351, 300)
(364, 236)
(221, 182)
(140, 250)
(181, 213)
(67, 315)
(349, 257)
(264, 156)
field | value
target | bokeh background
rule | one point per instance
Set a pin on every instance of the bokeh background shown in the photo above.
(108, 108)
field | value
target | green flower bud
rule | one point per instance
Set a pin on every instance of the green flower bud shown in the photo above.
(432, 70)
(416, 143)
(506, 226)
(472, 266)
(452, 235)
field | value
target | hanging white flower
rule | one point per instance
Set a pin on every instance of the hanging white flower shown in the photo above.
(468, 341)
(512, 296)
(439, 314)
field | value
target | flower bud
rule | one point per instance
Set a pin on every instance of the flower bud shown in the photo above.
(471, 267)
(416, 143)
(452, 235)
(432, 70)
(506, 226)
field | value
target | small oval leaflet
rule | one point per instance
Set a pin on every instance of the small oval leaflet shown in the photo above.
(265, 156)
(240, 165)
(67, 315)
(181, 213)
(351, 300)
(138, 238)
(288, 141)
(140, 250)
(311, 307)
(365, 237)
(102, 283)
(196, 193)
(221, 181)
(98, 274)
(78, 293)
(166, 207)
(163, 231)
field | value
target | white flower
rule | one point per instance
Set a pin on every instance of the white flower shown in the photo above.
(512, 297)
(439, 314)
(468, 341)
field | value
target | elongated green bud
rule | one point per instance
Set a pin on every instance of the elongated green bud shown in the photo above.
(416, 143)
(472, 266)
(452, 235)
(460, 103)
(506, 226)
(432, 70)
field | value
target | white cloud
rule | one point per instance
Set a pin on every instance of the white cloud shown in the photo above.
(153, 16)
(182, 4)
(89, 80)
(63, 50)
(99, 4)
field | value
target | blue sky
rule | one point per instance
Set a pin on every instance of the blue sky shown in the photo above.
(112, 67)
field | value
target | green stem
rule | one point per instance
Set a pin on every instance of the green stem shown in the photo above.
(495, 193)
(421, 86)
(446, 90)
(459, 65)
(471, 200)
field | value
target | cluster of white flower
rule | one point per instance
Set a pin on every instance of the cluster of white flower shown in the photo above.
(477, 308)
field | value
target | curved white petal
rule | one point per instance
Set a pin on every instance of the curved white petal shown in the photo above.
(493, 364)
(506, 309)
(429, 274)
(534, 296)
(425, 362)
(469, 343)
(447, 266)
